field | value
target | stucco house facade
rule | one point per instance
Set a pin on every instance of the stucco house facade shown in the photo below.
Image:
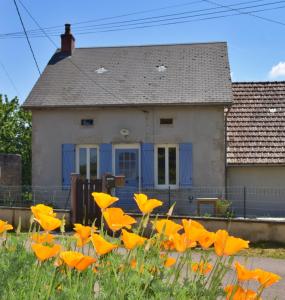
(165, 116)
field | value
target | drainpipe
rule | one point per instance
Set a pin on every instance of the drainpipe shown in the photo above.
(227, 108)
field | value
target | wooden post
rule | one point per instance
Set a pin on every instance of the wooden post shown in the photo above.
(73, 196)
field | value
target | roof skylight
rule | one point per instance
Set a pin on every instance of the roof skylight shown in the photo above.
(101, 70)
(161, 68)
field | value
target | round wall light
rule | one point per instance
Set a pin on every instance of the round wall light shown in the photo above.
(124, 132)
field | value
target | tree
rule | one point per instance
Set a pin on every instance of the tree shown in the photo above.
(16, 133)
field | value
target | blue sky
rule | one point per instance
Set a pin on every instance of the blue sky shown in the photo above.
(256, 47)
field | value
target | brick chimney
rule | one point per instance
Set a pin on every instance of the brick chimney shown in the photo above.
(67, 41)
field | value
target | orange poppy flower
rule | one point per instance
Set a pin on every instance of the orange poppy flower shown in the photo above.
(4, 226)
(265, 278)
(167, 227)
(169, 262)
(82, 234)
(45, 252)
(117, 219)
(84, 263)
(238, 293)
(206, 238)
(133, 263)
(104, 200)
(180, 242)
(228, 245)
(167, 245)
(145, 205)
(244, 273)
(48, 223)
(132, 240)
(192, 229)
(43, 209)
(42, 238)
(77, 260)
(202, 268)
(101, 245)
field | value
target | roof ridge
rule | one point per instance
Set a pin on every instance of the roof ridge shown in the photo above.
(154, 45)
(258, 82)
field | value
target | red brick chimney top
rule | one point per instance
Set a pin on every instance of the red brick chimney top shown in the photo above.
(67, 40)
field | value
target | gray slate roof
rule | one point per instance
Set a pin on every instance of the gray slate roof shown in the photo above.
(256, 124)
(194, 74)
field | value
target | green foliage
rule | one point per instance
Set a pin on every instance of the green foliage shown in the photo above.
(223, 207)
(16, 133)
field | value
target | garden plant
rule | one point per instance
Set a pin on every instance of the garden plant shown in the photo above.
(152, 258)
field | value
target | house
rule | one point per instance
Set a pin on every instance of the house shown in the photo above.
(256, 147)
(152, 113)
(166, 116)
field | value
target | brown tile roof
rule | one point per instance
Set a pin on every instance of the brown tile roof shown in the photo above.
(256, 123)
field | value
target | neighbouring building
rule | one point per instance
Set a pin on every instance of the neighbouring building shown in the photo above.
(160, 114)
(10, 170)
(256, 145)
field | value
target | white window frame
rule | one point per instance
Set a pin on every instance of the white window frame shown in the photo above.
(78, 147)
(127, 146)
(166, 185)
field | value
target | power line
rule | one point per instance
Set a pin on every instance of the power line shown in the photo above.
(187, 17)
(9, 78)
(121, 16)
(32, 51)
(247, 13)
(166, 17)
(179, 22)
(69, 60)
(154, 18)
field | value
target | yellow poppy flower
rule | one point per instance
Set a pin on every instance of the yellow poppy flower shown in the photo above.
(193, 229)
(206, 238)
(145, 205)
(202, 268)
(43, 209)
(101, 245)
(4, 226)
(48, 223)
(167, 227)
(238, 293)
(132, 240)
(265, 278)
(104, 200)
(117, 219)
(244, 273)
(77, 260)
(84, 263)
(82, 234)
(228, 245)
(42, 238)
(180, 242)
(45, 252)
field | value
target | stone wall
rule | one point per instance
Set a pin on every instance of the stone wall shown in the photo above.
(10, 169)
(249, 229)
(14, 215)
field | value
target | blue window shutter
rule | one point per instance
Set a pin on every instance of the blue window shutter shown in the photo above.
(147, 165)
(185, 165)
(68, 163)
(105, 159)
